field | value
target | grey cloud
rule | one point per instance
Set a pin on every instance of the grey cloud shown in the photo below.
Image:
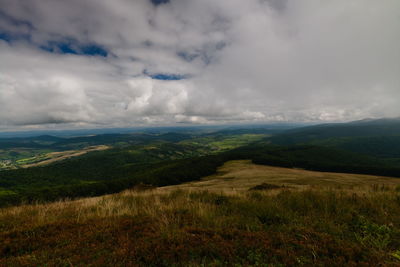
(256, 60)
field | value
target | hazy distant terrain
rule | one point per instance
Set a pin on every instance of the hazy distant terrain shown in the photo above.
(18, 151)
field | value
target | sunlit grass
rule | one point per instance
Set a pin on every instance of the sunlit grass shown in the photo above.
(314, 226)
(240, 175)
(190, 225)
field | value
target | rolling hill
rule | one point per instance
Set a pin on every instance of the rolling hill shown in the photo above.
(307, 219)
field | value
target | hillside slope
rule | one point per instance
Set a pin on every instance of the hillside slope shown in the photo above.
(365, 128)
(241, 175)
(309, 222)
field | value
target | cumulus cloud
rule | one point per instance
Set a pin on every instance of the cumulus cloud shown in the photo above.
(126, 63)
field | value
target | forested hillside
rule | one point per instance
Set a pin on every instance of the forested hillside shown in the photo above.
(377, 138)
(366, 128)
(155, 159)
(173, 158)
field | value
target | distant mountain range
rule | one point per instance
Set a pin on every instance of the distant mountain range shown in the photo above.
(160, 129)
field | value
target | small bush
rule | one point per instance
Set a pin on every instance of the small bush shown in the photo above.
(265, 186)
(143, 187)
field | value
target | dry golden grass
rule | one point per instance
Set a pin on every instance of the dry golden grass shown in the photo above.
(240, 175)
(234, 178)
(128, 203)
(182, 228)
(313, 221)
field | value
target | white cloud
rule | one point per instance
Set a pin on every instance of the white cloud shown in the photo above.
(263, 60)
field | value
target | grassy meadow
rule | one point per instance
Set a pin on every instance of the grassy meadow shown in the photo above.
(300, 222)
(241, 175)
(225, 142)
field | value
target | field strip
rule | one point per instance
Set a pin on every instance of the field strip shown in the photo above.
(58, 156)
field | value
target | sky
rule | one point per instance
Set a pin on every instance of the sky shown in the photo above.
(122, 63)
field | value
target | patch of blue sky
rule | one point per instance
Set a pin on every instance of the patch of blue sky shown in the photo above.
(74, 47)
(5, 37)
(159, 2)
(166, 76)
(12, 37)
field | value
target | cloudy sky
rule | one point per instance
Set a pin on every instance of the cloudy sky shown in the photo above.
(102, 63)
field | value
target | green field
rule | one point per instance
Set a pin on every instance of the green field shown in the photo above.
(5, 192)
(223, 143)
(15, 158)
